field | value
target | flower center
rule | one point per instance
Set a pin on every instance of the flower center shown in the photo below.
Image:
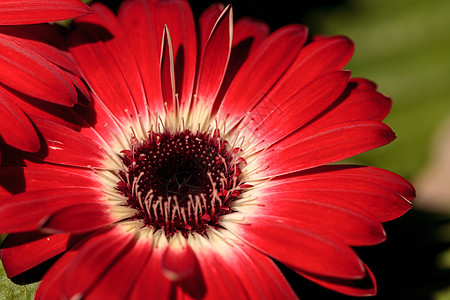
(180, 182)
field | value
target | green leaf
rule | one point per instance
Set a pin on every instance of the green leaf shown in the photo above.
(403, 46)
(11, 291)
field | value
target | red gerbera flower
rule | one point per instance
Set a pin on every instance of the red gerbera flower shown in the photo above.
(200, 161)
(35, 66)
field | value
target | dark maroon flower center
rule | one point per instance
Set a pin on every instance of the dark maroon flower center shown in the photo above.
(180, 182)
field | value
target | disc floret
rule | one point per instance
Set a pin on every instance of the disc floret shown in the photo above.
(181, 181)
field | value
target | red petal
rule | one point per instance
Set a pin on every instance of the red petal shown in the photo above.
(180, 265)
(350, 224)
(207, 20)
(139, 22)
(359, 288)
(100, 125)
(50, 111)
(261, 71)
(365, 84)
(313, 60)
(177, 15)
(96, 256)
(27, 211)
(144, 22)
(68, 147)
(215, 58)
(45, 40)
(257, 274)
(179, 262)
(20, 252)
(44, 80)
(273, 122)
(379, 192)
(104, 73)
(40, 176)
(112, 284)
(384, 178)
(303, 249)
(327, 145)
(79, 218)
(168, 71)
(219, 276)
(114, 41)
(274, 279)
(152, 281)
(15, 12)
(51, 285)
(248, 34)
(248, 30)
(15, 128)
(356, 103)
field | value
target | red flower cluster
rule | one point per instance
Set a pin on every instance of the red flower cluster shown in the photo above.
(205, 153)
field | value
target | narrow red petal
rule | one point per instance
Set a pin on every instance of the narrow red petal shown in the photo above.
(273, 122)
(112, 284)
(359, 288)
(327, 145)
(28, 211)
(96, 256)
(68, 147)
(303, 249)
(21, 252)
(79, 218)
(15, 128)
(15, 12)
(44, 81)
(262, 70)
(215, 58)
(167, 71)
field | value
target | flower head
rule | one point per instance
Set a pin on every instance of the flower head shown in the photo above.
(200, 161)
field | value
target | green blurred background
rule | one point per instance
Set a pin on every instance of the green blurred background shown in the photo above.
(402, 45)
